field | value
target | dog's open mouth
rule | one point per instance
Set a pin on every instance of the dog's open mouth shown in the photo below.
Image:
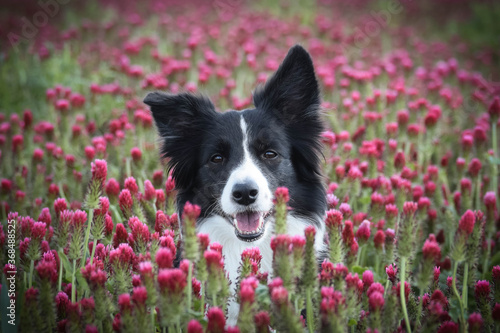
(249, 226)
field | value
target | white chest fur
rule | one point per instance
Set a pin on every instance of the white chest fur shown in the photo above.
(220, 231)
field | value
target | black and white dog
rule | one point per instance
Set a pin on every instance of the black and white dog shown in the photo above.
(231, 163)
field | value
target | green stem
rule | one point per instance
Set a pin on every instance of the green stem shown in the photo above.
(494, 183)
(153, 326)
(94, 245)
(189, 285)
(309, 311)
(61, 190)
(73, 286)
(457, 295)
(32, 266)
(478, 191)
(87, 236)
(60, 275)
(202, 308)
(402, 294)
(465, 288)
(127, 167)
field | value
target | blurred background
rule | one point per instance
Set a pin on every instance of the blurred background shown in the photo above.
(77, 43)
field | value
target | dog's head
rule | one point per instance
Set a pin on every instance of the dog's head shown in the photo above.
(231, 163)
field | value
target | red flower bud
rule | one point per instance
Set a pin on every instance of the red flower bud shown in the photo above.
(482, 289)
(494, 108)
(281, 195)
(172, 280)
(164, 258)
(99, 170)
(131, 185)
(466, 224)
(376, 301)
(194, 327)
(216, 320)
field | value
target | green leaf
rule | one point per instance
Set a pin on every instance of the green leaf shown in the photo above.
(82, 283)
(68, 268)
(358, 269)
(494, 160)
(365, 200)
(352, 322)
(262, 293)
(454, 309)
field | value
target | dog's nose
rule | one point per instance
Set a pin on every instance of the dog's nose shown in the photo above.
(245, 193)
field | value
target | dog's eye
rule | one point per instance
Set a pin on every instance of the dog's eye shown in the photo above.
(270, 154)
(216, 158)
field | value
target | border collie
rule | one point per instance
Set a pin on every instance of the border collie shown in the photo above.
(231, 163)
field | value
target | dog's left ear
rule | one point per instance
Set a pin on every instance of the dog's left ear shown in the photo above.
(292, 92)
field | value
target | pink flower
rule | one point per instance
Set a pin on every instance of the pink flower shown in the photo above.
(164, 258)
(123, 255)
(495, 313)
(431, 250)
(140, 295)
(214, 260)
(252, 253)
(112, 188)
(281, 195)
(475, 167)
(490, 201)
(172, 280)
(62, 105)
(494, 108)
(194, 327)
(169, 185)
(448, 327)
(191, 211)
(391, 273)
(279, 295)
(131, 185)
(282, 241)
(367, 279)
(376, 301)
(375, 287)
(38, 230)
(136, 154)
(79, 219)
(466, 224)
(475, 322)
(333, 218)
(379, 239)
(99, 170)
(124, 302)
(216, 320)
(482, 289)
(391, 210)
(364, 231)
(149, 191)
(436, 273)
(262, 321)
(125, 200)
(409, 208)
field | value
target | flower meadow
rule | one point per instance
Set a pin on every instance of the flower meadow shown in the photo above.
(91, 239)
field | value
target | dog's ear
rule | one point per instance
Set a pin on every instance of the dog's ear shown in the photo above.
(292, 94)
(180, 120)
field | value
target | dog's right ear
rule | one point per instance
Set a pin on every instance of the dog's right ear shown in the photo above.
(180, 120)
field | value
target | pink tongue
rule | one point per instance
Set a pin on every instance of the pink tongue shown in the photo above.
(248, 221)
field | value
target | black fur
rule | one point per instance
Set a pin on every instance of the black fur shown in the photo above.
(286, 119)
